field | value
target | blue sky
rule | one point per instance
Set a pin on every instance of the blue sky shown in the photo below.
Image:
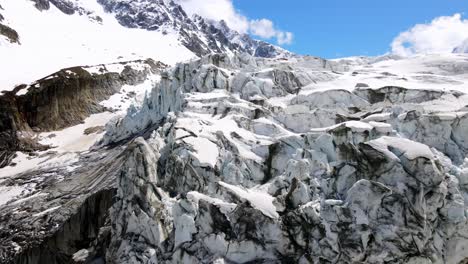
(338, 28)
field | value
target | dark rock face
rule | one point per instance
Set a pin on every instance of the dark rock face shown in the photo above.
(84, 227)
(9, 33)
(15, 133)
(65, 211)
(64, 6)
(67, 98)
(42, 4)
(265, 50)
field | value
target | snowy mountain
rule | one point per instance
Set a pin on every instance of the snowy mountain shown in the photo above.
(131, 133)
(198, 35)
(84, 32)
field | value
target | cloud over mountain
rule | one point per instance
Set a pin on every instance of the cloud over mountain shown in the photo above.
(225, 10)
(441, 35)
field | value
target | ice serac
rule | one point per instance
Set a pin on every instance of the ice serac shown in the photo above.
(139, 218)
(256, 166)
(232, 158)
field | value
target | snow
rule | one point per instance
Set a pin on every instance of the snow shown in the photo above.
(224, 206)
(358, 126)
(24, 163)
(51, 40)
(410, 149)
(432, 71)
(449, 116)
(355, 126)
(22, 92)
(207, 126)
(81, 255)
(44, 160)
(462, 48)
(66, 144)
(121, 102)
(36, 195)
(73, 139)
(206, 151)
(259, 200)
(9, 192)
(46, 211)
(381, 127)
(378, 117)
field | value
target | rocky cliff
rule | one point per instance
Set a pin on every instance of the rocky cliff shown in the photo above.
(61, 100)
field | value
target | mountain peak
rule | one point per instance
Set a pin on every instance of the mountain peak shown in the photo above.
(199, 35)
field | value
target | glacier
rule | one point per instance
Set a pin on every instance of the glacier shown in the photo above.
(224, 149)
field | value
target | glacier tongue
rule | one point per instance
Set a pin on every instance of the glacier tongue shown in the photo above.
(236, 159)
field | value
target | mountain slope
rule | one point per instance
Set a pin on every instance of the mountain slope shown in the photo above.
(66, 33)
(51, 40)
(198, 35)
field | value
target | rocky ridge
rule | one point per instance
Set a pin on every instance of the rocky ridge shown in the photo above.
(197, 34)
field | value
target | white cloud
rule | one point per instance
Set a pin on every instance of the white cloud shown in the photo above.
(218, 10)
(285, 38)
(265, 28)
(441, 35)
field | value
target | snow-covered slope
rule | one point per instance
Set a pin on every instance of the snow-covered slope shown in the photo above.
(52, 40)
(233, 158)
(61, 33)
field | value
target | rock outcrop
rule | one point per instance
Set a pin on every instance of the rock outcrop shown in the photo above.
(9, 33)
